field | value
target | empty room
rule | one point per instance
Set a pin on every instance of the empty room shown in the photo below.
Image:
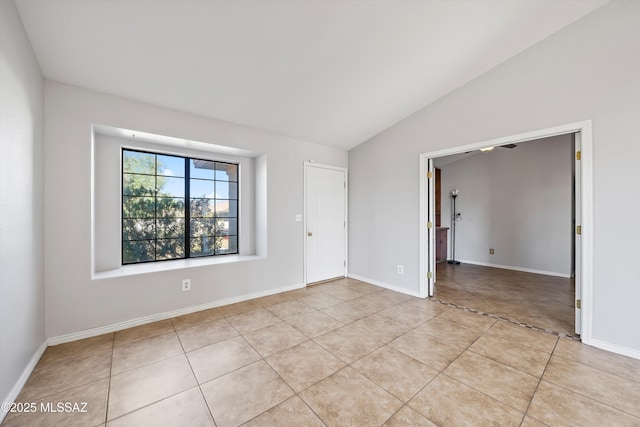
(319, 213)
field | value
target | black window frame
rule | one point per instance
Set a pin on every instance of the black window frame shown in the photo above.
(186, 236)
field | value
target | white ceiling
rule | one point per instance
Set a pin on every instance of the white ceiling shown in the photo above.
(332, 72)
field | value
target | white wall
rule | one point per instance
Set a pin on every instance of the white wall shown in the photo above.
(21, 203)
(516, 201)
(75, 302)
(589, 70)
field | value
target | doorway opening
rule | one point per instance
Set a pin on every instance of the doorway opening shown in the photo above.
(576, 263)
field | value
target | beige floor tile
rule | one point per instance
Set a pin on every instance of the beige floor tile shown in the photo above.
(451, 332)
(429, 350)
(504, 383)
(512, 353)
(320, 300)
(239, 308)
(532, 422)
(273, 299)
(538, 340)
(425, 305)
(347, 312)
(362, 287)
(143, 331)
(380, 328)
(347, 398)
(292, 412)
(304, 365)
(447, 402)
(193, 319)
(406, 315)
(145, 352)
(183, 409)
(66, 373)
(377, 301)
(88, 407)
(242, 394)
(616, 364)
(397, 373)
(288, 309)
(252, 320)
(314, 324)
(221, 358)
(468, 319)
(348, 344)
(77, 349)
(621, 393)
(274, 338)
(206, 334)
(555, 405)
(140, 387)
(407, 417)
(342, 292)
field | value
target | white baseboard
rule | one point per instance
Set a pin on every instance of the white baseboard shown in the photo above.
(88, 333)
(26, 373)
(510, 267)
(384, 285)
(614, 348)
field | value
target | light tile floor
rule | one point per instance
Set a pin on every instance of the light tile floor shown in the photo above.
(342, 353)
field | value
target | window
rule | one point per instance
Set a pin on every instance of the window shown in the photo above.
(177, 207)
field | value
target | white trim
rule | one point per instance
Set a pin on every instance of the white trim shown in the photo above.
(311, 163)
(26, 373)
(384, 285)
(585, 129)
(88, 333)
(625, 351)
(511, 267)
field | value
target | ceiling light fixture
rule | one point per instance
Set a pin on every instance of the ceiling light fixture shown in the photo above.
(487, 149)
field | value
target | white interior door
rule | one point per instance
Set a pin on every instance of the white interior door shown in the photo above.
(325, 221)
(431, 227)
(577, 231)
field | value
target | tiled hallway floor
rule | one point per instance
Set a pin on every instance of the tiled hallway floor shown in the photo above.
(343, 353)
(538, 300)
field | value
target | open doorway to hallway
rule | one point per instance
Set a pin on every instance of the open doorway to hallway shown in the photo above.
(517, 246)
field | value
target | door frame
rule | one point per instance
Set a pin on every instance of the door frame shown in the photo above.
(584, 245)
(308, 164)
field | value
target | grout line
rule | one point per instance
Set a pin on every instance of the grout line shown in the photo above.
(539, 381)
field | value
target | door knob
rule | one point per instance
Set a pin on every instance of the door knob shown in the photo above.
(309, 233)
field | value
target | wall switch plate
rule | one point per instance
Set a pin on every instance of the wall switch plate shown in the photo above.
(400, 269)
(298, 217)
(186, 285)
(492, 251)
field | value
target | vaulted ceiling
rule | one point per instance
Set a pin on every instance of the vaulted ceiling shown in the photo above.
(332, 72)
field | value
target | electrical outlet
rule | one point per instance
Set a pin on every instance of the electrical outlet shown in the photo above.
(492, 251)
(186, 285)
(400, 269)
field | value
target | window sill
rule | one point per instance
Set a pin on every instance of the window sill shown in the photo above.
(155, 267)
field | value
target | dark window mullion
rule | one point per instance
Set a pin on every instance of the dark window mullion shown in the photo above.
(187, 208)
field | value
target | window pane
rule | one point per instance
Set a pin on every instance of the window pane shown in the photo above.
(138, 185)
(202, 208)
(203, 227)
(136, 162)
(173, 227)
(170, 207)
(226, 226)
(226, 190)
(202, 246)
(226, 208)
(169, 248)
(226, 172)
(170, 165)
(228, 245)
(138, 229)
(138, 207)
(202, 189)
(138, 251)
(170, 187)
(201, 169)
